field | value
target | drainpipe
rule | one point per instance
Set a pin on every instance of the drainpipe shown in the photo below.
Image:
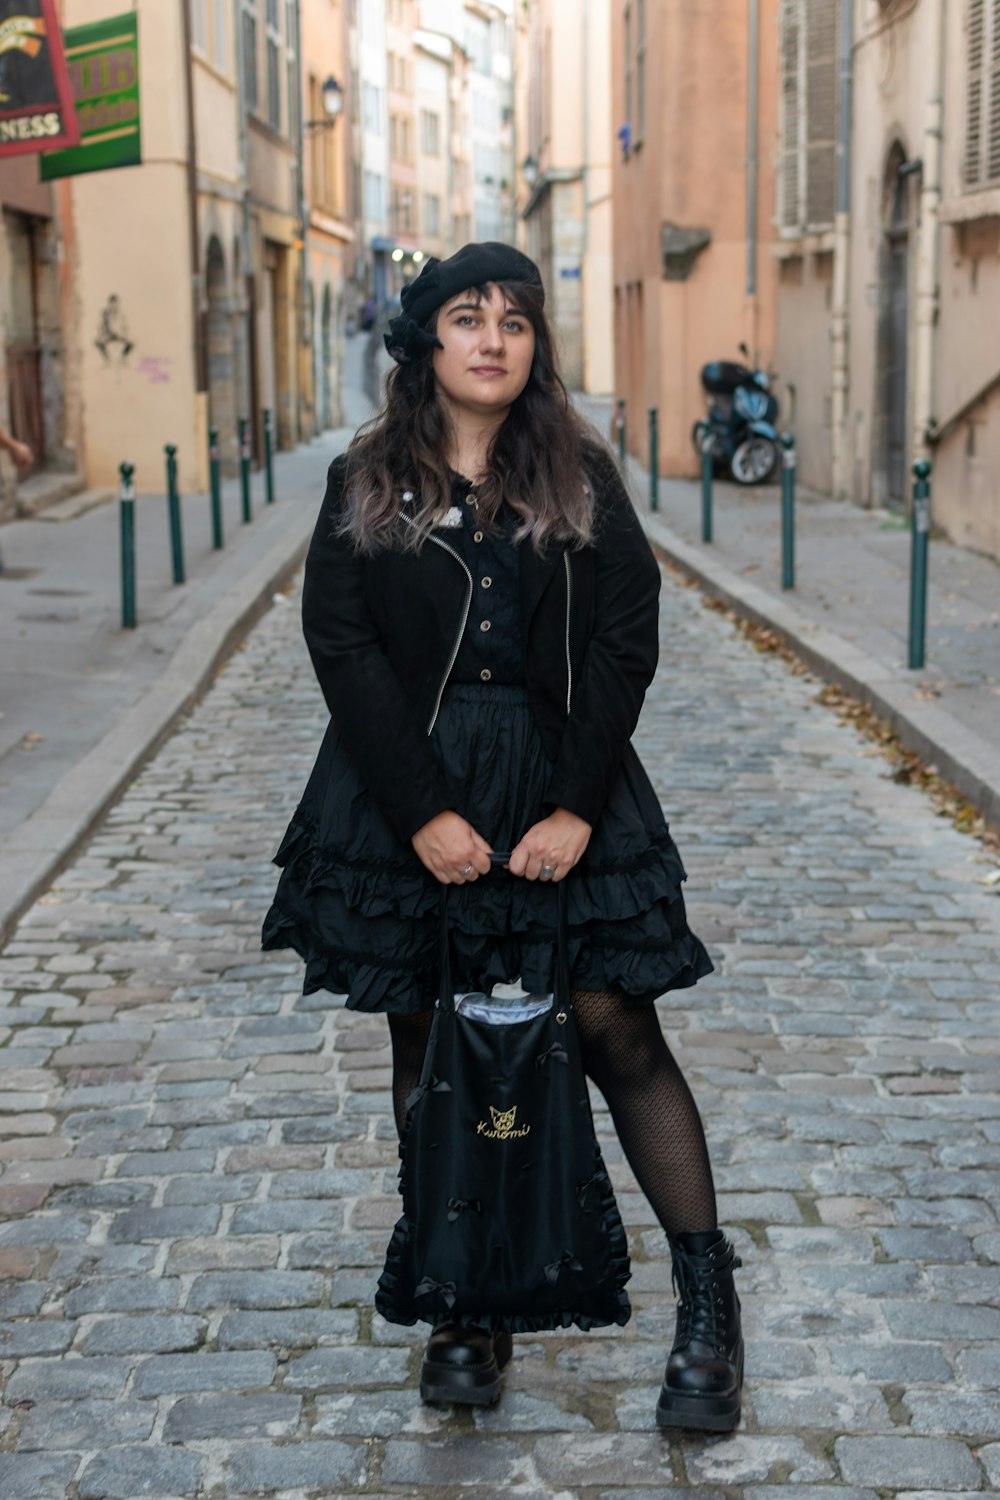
(200, 353)
(925, 341)
(841, 260)
(301, 363)
(753, 62)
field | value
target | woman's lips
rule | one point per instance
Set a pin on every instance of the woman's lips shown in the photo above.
(488, 370)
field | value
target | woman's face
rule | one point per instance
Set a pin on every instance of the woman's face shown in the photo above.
(488, 348)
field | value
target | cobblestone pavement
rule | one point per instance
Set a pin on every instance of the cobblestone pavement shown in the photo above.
(199, 1165)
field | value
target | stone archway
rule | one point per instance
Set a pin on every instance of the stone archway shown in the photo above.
(221, 384)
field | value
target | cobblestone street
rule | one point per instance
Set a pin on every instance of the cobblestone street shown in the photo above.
(199, 1165)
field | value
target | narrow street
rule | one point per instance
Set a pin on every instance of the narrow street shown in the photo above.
(199, 1164)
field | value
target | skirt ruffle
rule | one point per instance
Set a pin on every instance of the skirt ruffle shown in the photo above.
(362, 911)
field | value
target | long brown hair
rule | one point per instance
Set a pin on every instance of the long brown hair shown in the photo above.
(535, 461)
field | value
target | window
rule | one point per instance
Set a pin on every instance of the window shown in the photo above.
(808, 112)
(404, 139)
(430, 132)
(371, 107)
(477, 44)
(431, 214)
(273, 85)
(292, 70)
(982, 101)
(250, 60)
(273, 43)
(199, 25)
(374, 199)
(220, 21)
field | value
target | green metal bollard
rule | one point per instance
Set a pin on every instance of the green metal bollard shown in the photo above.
(707, 468)
(654, 460)
(920, 532)
(126, 515)
(788, 511)
(245, 468)
(216, 486)
(268, 458)
(174, 513)
(620, 429)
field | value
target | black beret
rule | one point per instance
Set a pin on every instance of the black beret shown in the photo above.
(440, 280)
(473, 265)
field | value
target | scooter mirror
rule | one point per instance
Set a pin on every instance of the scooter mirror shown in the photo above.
(744, 351)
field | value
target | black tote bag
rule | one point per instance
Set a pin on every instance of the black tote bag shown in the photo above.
(509, 1218)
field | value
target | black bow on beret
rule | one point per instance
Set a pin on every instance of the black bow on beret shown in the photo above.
(473, 265)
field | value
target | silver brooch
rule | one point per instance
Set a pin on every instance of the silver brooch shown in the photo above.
(452, 517)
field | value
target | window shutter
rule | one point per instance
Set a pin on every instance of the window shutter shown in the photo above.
(821, 112)
(791, 114)
(974, 96)
(993, 113)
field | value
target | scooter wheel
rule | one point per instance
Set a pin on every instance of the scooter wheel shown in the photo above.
(754, 461)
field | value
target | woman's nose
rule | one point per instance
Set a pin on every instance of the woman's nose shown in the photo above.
(491, 336)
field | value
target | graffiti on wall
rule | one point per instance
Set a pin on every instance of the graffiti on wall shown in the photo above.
(112, 333)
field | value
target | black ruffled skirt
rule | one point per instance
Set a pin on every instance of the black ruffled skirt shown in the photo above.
(358, 906)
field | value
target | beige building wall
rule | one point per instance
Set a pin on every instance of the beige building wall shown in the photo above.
(330, 235)
(432, 100)
(133, 272)
(685, 183)
(564, 124)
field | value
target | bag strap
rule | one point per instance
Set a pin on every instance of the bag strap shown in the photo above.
(561, 980)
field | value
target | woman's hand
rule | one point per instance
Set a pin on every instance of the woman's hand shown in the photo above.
(451, 849)
(557, 842)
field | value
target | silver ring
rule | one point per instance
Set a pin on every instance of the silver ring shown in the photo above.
(546, 872)
(468, 871)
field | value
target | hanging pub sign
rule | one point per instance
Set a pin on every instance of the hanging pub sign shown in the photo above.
(36, 106)
(103, 63)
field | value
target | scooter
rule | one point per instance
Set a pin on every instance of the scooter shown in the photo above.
(741, 417)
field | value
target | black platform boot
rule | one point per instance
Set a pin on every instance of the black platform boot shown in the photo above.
(704, 1377)
(463, 1365)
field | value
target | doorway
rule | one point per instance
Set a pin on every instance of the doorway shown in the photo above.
(894, 342)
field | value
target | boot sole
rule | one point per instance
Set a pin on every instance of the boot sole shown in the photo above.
(479, 1385)
(702, 1413)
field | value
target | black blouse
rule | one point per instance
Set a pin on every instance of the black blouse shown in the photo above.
(492, 651)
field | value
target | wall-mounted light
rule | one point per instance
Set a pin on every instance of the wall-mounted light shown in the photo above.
(529, 171)
(333, 106)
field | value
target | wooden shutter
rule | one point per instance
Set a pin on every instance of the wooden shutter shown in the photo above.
(993, 109)
(790, 183)
(821, 112)
(974, 98)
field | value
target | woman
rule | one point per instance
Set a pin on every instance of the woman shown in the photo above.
(480, 606)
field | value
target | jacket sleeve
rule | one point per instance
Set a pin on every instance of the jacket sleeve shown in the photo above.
(368, 703)
(621, 655)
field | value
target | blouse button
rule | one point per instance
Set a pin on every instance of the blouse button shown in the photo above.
(470, 499)
(485, 625)
(485, 675)
(477, 536)
(487, 583)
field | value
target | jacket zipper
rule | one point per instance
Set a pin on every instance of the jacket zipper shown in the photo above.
(569, 664)
(461, 630)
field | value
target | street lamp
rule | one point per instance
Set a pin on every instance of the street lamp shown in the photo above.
(529, 170)
(333, 106)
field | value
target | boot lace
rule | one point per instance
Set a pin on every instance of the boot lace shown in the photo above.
(701, 1306)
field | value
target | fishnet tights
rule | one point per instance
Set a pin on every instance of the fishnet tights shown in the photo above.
(657, 1120)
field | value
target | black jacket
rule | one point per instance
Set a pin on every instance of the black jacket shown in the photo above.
(382, 632)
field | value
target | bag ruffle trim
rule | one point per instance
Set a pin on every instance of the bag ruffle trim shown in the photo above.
(435, 1301)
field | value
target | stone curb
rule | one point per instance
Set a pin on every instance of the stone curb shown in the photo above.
(48, 840)
(961, 756)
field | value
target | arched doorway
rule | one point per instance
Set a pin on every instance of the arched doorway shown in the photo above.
(893, 402)
(221, 393)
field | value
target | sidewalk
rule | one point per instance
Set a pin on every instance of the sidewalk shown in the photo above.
(848, 614)
(83, 702)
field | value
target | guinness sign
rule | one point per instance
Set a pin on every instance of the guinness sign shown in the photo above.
(36, 106)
